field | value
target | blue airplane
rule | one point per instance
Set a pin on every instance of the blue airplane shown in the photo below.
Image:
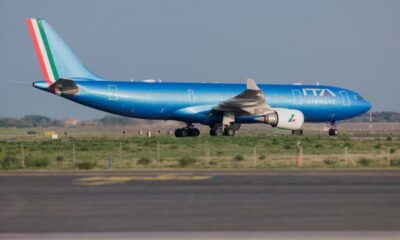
(221, 106)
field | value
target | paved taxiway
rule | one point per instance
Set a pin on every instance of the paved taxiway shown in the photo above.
(174, 201)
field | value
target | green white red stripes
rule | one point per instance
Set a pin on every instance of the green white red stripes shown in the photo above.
(43, 50)
(292, 119)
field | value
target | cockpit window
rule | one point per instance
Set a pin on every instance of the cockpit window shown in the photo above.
(359, 97)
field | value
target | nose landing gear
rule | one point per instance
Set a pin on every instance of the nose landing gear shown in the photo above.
(333, 129)
(333, 132)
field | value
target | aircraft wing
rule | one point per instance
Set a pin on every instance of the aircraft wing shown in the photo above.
(249, 102)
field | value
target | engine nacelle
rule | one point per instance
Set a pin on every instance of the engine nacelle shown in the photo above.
(284, 118)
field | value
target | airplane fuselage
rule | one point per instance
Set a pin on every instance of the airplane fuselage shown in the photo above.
(222, 106)
(191, 102)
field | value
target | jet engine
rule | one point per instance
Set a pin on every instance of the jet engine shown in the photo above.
(284, 118)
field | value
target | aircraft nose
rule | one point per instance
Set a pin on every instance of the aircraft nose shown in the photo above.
(366, 106)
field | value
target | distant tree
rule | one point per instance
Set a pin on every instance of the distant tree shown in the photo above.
(57, 123)
(35, 121)
(378, 117)
(9, 122)
(114, 120)
(29, 121)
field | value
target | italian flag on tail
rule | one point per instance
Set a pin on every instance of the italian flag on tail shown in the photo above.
(42, 49)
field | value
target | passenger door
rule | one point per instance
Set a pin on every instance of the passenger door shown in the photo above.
(345, 98)
(297, 100)
(112, 92)
(191, 95)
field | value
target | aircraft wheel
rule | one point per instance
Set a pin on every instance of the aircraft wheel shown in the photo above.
(185, 132)
(333, 132)
(229, 132)
(217, 131)
(298, 132)
(178, 132)
(212, 132)
(194, 132)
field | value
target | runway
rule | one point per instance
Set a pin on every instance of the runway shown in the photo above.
(200, 201)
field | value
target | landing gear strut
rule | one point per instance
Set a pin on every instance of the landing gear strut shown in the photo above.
(333, 129)
(188, 131)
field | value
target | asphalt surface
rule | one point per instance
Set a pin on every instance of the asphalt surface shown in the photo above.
(200, 201)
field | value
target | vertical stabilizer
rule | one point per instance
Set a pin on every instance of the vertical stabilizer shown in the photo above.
(55, 58)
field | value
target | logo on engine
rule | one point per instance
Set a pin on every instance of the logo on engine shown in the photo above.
(292, 119)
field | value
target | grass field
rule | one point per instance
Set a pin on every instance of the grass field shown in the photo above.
(203, 152)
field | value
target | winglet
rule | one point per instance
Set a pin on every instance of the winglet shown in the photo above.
(251, 85)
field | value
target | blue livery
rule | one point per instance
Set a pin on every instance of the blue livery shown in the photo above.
(222, 106)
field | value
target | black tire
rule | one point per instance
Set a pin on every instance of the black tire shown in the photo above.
(229, 132)
(212, 132)
(297, 132)
(194, 132)
(219, 131)
(333, 132)
(184, 132)
(178, 132)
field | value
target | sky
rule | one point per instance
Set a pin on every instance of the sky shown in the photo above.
(353, 44)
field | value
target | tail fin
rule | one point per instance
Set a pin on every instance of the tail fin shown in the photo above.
(56, 59)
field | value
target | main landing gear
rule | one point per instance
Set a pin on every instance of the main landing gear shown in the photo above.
(221, 130)
(188, 131)
(333, 129)
(297, 132)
